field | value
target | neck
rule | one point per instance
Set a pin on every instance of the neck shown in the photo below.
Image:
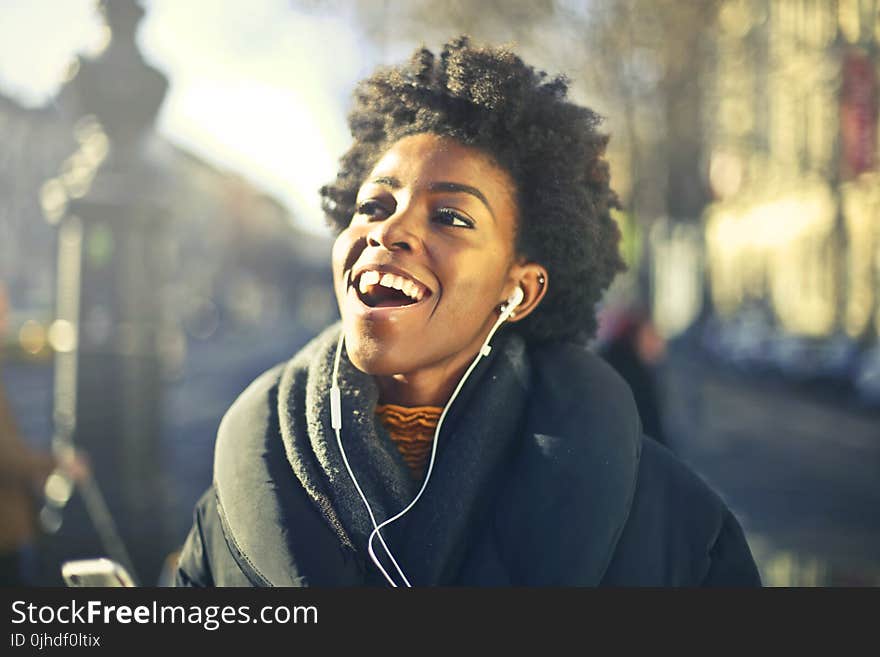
(424, 388)
(430, 386)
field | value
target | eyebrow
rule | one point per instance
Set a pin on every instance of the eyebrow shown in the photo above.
(394, 183)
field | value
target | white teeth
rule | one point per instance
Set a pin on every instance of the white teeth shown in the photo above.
(414, 292)
(368, 278)
(410, 288)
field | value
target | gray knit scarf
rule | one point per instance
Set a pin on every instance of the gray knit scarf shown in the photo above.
(478, 439)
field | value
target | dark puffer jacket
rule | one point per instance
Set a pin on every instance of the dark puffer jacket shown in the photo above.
(542, 478)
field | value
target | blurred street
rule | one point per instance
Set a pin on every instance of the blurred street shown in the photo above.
(800, 472)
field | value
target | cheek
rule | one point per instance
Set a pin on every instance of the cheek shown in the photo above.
(342, 249)
(482, 277)
(474, 298)
(339, 255)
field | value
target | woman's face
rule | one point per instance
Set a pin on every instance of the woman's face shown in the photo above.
(435, 219)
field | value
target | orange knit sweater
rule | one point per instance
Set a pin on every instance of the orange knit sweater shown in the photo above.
(412, 430)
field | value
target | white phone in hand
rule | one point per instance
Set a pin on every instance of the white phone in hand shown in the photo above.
(95, 572)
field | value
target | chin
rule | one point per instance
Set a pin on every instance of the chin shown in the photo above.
(372, 355)
(379, 357)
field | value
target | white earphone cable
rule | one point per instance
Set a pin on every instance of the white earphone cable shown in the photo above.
(485, 349)
(336, 422)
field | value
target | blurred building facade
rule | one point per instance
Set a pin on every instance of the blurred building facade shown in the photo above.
(34, 143)
(750, 177)
(792, 237)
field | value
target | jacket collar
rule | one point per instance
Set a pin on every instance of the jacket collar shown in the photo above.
(571, 489)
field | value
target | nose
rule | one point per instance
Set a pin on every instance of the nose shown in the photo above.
(400, 231)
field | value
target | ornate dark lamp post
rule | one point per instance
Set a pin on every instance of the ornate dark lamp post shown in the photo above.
(111, 277)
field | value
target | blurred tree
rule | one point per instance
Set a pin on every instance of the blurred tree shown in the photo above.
(647, 59)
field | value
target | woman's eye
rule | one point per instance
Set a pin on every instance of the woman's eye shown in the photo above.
(453, 218)
(370, 209)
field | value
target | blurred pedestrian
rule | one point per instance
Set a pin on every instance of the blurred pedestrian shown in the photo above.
(23, 474)
(631, 345)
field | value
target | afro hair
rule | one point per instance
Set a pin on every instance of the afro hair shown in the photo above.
(488, 98)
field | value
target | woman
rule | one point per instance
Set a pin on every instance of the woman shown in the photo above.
(453, 429)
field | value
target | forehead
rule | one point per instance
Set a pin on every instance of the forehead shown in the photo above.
(422, 159)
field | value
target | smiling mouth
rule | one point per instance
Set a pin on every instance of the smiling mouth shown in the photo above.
(378, 289)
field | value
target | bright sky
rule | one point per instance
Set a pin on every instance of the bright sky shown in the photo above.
(256, 87)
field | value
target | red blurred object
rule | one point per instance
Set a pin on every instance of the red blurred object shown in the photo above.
(630, 343)
(858, 114)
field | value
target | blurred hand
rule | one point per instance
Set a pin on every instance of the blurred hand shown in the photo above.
(74, 464)
(650, 345)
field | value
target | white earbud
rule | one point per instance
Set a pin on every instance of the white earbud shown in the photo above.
(512, 302)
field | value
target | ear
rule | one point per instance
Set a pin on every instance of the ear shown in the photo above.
(533, 280)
